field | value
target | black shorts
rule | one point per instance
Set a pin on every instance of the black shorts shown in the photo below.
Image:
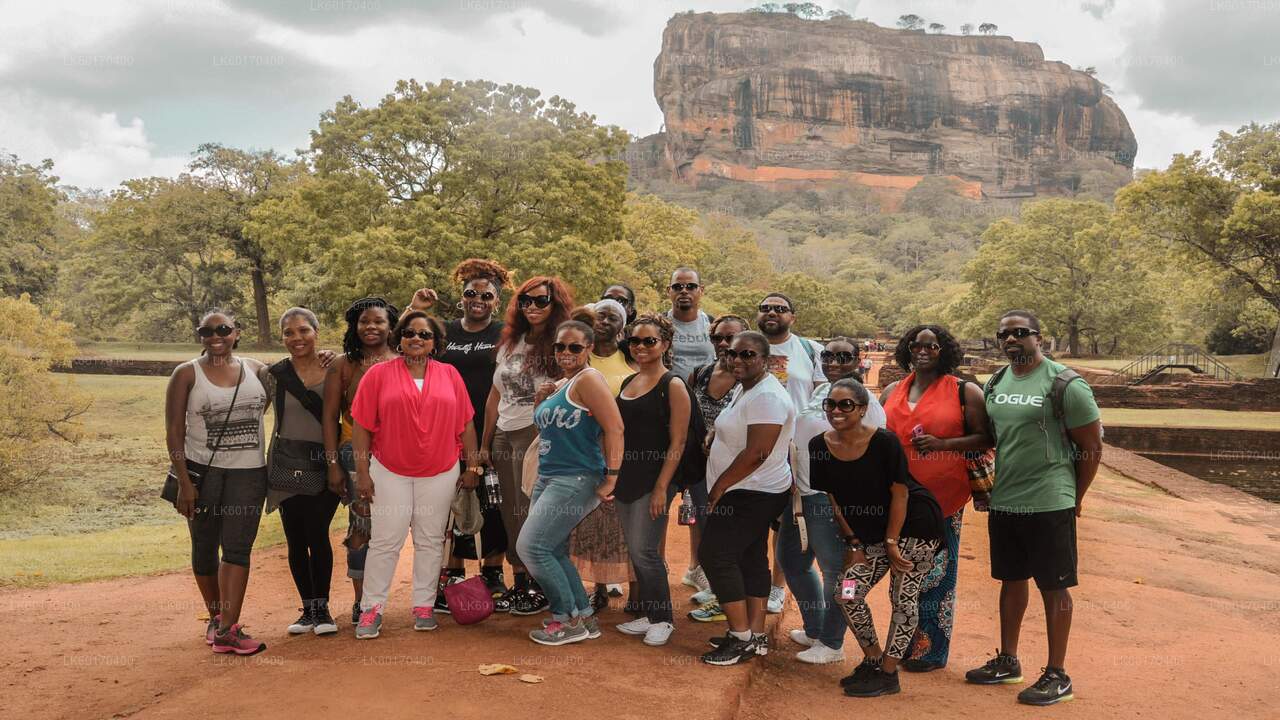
(1034, 545)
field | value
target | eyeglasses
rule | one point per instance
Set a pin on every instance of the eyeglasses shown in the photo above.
(1018, 332)
(574, 348)
(846, 405)
(681, 287)
(780, 309)
(420, 334)
(717, 339)
(649, 342)
(620, 299)
(540, 301)
(841, 356)
(744, 354)
(220, 330)
(918, 346)
(471, 293)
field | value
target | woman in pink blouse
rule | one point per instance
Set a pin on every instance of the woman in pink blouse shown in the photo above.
(412, 424)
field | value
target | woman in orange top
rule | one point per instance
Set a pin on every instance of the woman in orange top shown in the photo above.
(924, 411)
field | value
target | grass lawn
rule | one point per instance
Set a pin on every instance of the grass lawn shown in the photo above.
(161, 351)
(1192, 418)
(95, 511)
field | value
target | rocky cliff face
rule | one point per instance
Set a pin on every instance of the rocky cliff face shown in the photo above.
(772, 98)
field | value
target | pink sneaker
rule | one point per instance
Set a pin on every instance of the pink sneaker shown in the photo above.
(423, 619)
(212, 629)
(237, 641)
(370, 623)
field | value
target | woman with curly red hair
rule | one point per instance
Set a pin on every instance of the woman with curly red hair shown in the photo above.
(525, 362)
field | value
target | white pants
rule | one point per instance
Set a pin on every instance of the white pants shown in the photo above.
(401, 502)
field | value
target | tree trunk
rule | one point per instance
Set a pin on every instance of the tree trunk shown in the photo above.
(1273, 363)
(260, 308)
(1073, 338)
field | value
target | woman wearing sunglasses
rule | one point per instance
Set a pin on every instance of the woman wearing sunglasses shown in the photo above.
(890, 524)
(213, 419)
(412, 423)
(933, 425)
(573, 478)
(525, 363)
(749, 482)
(815, 591)
(655, 412)
(712, 388)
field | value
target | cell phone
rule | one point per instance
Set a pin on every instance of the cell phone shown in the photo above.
(848, 589)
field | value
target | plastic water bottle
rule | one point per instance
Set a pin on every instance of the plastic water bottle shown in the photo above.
(687, 515)
(492, 491)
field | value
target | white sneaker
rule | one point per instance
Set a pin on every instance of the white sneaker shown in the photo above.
(697, 579)
(819, 654)
(658, 633)
(639, 626)
(799, 637)
(777, 596)
(702, 597)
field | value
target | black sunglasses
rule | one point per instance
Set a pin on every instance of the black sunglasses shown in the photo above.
(421, 334)
(485, 296)
(918, 346)
(634, 341)
(744, 354)
(842, 356)
(207, 332)
(845, 405)
(1019, 332)
(540, 301)
(574, 348)
(717, 339)
(620, 299)
(680, 287)
(780, 309)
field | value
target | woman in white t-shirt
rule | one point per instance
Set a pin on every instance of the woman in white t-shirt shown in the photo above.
(749, 483)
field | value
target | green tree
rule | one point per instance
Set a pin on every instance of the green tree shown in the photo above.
(936, 27)
(966, 29)
(1062, 260)
(988, 28)
(910, 21)
(1224, 210)
(31, 231)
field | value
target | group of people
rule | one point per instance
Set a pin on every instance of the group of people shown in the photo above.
(594, 419)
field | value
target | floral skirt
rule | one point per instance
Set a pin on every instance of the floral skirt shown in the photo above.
(598, 548)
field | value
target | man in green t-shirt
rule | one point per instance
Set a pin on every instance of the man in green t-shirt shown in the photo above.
(1042, 474)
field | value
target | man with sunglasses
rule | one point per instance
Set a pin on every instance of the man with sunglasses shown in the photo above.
(692, 346)
(1048, 444)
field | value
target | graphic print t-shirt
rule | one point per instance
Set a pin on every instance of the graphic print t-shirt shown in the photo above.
(791, 364)
(516, 386)
(473, 354)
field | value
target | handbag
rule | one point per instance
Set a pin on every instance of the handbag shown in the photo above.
(294, 466)
(469, 600)
(979, 464)
(169, 490)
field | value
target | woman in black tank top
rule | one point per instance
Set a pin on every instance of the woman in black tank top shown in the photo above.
(655, 411)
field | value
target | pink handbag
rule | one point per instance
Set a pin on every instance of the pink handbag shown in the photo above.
(470, 600)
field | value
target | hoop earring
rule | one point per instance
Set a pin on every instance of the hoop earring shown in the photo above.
(459, 305)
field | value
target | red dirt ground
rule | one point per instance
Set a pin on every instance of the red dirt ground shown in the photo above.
(1176, 617)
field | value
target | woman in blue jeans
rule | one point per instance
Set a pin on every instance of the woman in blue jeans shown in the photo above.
(655, 410)
(573, 478)
(824, 625)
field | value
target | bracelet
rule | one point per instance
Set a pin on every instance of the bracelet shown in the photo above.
(610, 472)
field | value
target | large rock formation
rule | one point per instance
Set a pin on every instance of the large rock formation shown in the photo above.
(773, 98)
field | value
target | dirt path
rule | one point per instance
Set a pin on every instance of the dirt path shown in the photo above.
(1176, 617)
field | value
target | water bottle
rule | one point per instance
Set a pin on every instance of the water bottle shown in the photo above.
(687, 515)
(492, 491)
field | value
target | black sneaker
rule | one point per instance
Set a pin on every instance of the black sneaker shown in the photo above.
(999, 670)
(494, 582)
(916, 665)
(503, 602)
(529, 602)
(442, 603)
(599, 599)
(1053, 687)
(324, 624)
(874, 683)
(355, 613)
(731, 652)
(760, 642)
(866, 666)
(304, 623)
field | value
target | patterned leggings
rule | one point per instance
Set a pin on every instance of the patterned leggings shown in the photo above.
(904, 593)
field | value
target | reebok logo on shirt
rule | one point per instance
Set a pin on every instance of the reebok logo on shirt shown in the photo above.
(1017, 399)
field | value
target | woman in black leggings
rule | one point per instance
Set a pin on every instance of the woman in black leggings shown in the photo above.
(305, 513)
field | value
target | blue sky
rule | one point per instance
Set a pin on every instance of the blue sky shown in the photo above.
(114, 89)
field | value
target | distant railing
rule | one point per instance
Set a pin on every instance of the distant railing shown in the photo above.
(1176, 355)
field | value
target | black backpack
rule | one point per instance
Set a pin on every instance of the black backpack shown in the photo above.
(693, 464)
(1057, 399)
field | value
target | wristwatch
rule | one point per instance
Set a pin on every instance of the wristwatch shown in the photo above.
(852, 543)
(891, 541)
(610, 472)
(477, 469)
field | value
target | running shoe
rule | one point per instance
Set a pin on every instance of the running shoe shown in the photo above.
(493, 581)
(658, 634)
(917, 665)
(558, 633)
(1001, 669)
(503, 602)
(211, 629)
(324, 621)
(529, 602)
(614, 589)
(759, 640)
(867, 665)
(442, 603)
(696, 579)
(730, 651)
(423, 619)
(777, 597)
(702, 597)
(370, 624)
(820, 654)
(599, 599)
(355, 613)
(639, 626)
(304, 623)
(799, 637)
(874, 683)
(592, 625)
(711, 612)
(235, 640)
(1053, 687)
